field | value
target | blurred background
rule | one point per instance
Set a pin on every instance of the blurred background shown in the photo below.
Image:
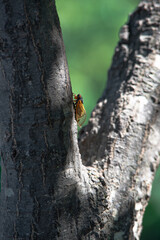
(90, 31)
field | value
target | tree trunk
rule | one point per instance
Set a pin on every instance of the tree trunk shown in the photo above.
(37, 143)
(46, 192)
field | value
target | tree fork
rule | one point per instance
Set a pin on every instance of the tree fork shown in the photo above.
(46, 192)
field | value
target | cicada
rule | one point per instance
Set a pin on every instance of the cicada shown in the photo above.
(80, 112)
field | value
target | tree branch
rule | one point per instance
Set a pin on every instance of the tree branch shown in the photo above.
(46, 191)
(122, 139)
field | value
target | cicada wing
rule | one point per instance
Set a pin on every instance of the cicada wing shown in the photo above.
(80, 110)
(82, 119)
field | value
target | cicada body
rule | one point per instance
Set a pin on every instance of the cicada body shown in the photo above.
(80, 112)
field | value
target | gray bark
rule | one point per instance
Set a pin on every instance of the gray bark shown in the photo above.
(122, 139)
(35, 125)
(46, 191)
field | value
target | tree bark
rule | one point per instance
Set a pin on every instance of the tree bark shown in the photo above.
(46, 191)
(36, 140)
(122, 139)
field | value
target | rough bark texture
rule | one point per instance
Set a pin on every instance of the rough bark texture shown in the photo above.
(122, 139)
(36, 138)
(46, 192)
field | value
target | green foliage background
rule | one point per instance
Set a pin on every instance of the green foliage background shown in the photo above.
(90, 31)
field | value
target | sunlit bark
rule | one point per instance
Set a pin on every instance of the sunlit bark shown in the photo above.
(46, 191)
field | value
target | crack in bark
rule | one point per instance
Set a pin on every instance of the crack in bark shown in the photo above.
(40, 64)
